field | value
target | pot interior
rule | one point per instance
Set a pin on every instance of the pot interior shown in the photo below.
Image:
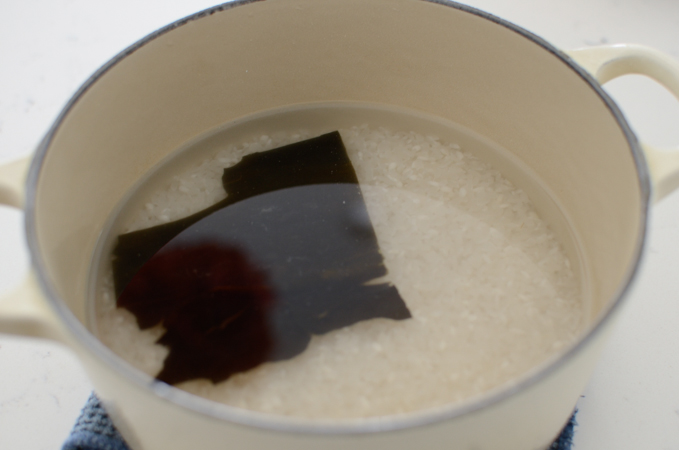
(428, 58)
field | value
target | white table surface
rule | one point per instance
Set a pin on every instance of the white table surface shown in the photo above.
(49, 47)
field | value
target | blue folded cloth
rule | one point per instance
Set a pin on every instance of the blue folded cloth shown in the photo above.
(565, 439)
(95, 431)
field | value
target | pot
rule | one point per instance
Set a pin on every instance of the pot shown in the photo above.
(543, 105)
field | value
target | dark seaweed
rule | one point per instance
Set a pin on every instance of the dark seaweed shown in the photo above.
(289, 254)
(321, 160)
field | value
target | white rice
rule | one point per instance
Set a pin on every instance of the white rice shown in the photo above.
(491, 292)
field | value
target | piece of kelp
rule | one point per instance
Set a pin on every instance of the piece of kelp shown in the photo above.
(293, 256)
(320, 160)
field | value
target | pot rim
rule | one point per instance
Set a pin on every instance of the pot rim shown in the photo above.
(342, 426)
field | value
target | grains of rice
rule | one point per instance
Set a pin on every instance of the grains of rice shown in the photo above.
(491, 292)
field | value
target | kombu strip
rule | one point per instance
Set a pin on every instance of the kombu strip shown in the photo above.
(321, 160)
(290, 253)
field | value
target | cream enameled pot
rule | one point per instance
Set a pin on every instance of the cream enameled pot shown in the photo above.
(436, 57)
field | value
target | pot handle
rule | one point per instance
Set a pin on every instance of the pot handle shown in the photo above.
(611, 61)
(24, 311)
(12, 178)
